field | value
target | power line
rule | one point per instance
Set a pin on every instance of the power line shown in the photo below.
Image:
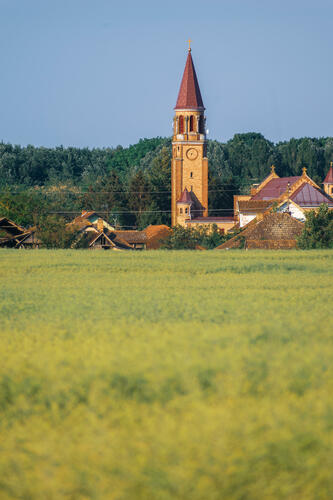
(113, 212)
(108, 192)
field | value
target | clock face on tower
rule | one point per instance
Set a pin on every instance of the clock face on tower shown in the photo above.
(192, 154)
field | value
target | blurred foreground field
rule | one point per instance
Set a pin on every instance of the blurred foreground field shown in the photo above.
(166, 375)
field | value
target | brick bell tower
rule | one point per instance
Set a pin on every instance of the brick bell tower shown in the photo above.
(189, 168)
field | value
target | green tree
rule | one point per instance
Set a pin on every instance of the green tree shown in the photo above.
(106, 194)
(318, 229)
(139, 197)
(160, 181)
(53, 232)
(188, 238)
(23, 207)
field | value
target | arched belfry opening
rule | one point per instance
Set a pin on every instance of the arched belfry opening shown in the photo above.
(201, 125)
(181, 127)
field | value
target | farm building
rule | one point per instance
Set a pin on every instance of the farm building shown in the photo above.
(270, 231)
(91, 218)
(90, 231)
(104, 240)
(15, 236)
(137, 239)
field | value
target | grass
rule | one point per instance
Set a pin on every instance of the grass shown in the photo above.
(166, 375)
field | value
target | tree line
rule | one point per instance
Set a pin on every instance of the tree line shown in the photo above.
(132, 185)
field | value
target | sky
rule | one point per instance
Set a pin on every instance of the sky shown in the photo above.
(100, 73)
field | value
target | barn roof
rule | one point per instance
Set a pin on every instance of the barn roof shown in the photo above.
(132, 237)
(10, 227)
(114, 240)
(84, 216)
(155, 235)
(274, 227)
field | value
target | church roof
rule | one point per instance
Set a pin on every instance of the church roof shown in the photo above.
(189, 96)
(308, 196)
(329, 176)
(186, 197)
(275, 188)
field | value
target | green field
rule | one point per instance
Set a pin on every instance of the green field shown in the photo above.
(166, 375)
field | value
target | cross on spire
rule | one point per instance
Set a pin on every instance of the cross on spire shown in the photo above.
(189, 45)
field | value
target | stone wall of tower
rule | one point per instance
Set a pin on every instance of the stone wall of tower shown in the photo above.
(189, 162)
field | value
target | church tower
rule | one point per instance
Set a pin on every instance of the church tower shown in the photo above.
(189, 168)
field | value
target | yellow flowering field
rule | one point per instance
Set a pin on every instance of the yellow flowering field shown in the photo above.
(166, 375)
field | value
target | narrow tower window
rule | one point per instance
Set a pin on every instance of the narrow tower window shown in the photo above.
(191, 123)
(181, 124)
(191, 175)
(201, 125)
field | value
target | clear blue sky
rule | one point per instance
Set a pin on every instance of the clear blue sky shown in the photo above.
(102, 72)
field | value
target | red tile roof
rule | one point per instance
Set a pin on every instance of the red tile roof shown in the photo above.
(275, 188)
(132, 237)
(308, 196)
(254, 205)
(329, 176)
(186, 197)
(189, 96)
(156, 235)
(275, 230)
(84, 216)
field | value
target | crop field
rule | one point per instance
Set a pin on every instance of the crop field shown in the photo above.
(166, 375)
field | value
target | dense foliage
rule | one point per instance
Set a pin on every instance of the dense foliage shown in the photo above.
(190, 238)
(52, 232)
(166, 375)
(132, 185)
(318, 229)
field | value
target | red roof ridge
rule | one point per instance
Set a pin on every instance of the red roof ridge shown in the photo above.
(189, 96)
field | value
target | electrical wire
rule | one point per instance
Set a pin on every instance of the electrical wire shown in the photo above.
(111, 212)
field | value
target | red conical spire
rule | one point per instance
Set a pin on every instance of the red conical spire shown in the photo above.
(189, 96)
(329, 176)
